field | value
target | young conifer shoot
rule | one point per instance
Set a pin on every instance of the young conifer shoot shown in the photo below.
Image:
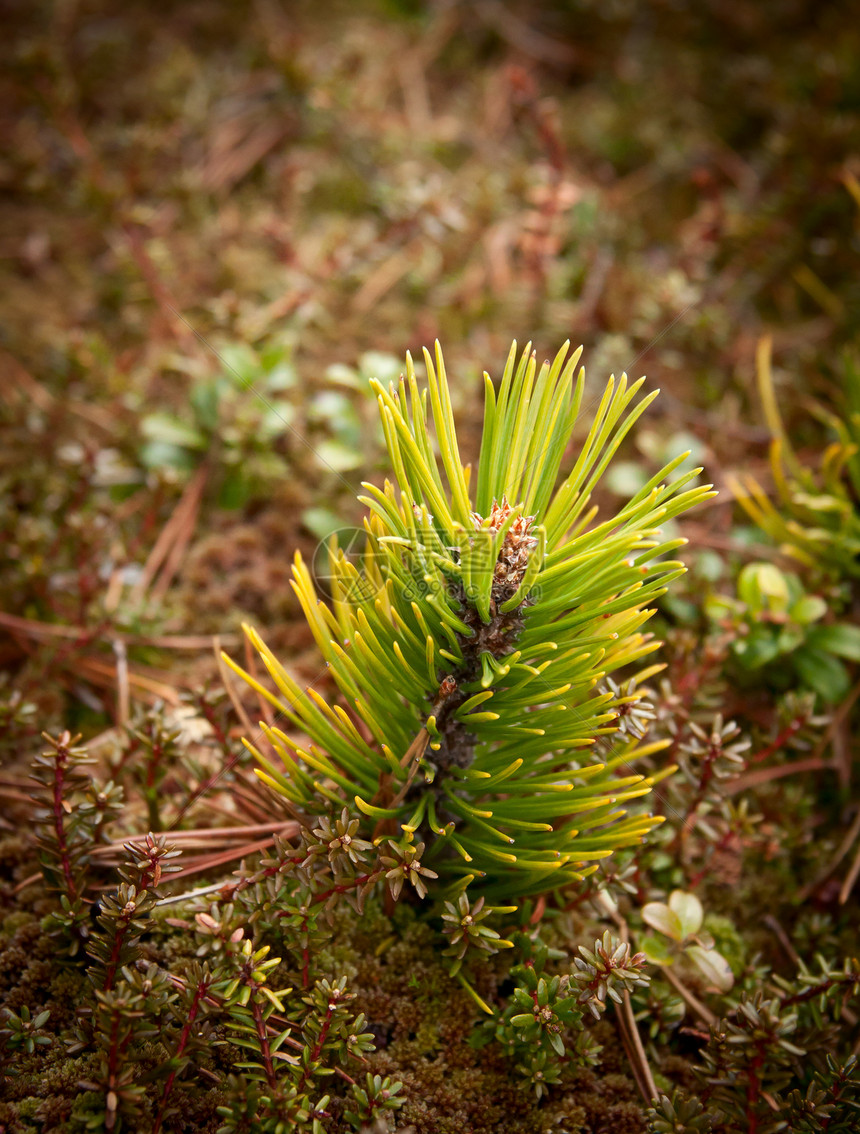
(479, 732)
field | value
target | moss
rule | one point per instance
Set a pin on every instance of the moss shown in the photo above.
(18, 920)
(423, 1020)
(46, 1086)
(15, 852)
(17, 863)
(25, 961)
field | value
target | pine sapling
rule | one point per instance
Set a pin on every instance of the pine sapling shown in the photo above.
(476, 644)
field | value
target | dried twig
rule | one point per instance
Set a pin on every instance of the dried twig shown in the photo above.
(174, 532)
(630, 1038)
(31, 628)
(104, 674)
(701, 1010)
(185, 524)
(845, 846)
(123, 709)
(226, 677)
(525, 39)
(783, 938)
(765, 775)
(850, 879)
(838, 719)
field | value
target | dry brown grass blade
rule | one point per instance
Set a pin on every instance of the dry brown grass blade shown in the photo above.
(201, 837)
(43, 631)
(231, 690)
(634, 1049)
(15, 376)
(701, 1010)
(845, 846)
(112, 854)
(172, 532)
(416, 96)
(208, 783)
(184, 532)
(237, 148)
(123, 696)
(850, 879)
(385, 276)
(630, 1038)
(25, 882)
(835, 729)
(70, 126)
(782, 937)
(243, 798)
(104, 675)
(766, 775)
(209, 862)
(13, 795)
(251, 796)
(525, 39)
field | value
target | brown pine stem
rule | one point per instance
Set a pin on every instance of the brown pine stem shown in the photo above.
(635, 1050)
(263, 1037)
(710, 757)
(780, 740)
(62, 748)
(200, 994)
(149, 877)
(112, 1070)
(753, 1092)
(317, 1048)
(116, 949)
(345, 887)
(816, 990)
(724, 840)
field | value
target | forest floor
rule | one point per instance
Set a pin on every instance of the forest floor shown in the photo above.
(219, 220)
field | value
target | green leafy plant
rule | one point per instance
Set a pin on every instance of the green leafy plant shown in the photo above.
(604, 972)
(466, 932)
(123, 915)
(21, 1030)
(679, 923)
(541, 1027)
(674, 1114)
(831, 1102)
(753, 1059)
(152, 751)
(281, 1069)
(473, 644)
(124, 1017)
(777, 626)
(234, 421)
(373, 1099)
(538, 1018)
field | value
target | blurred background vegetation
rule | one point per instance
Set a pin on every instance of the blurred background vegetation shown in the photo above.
(220, 218)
